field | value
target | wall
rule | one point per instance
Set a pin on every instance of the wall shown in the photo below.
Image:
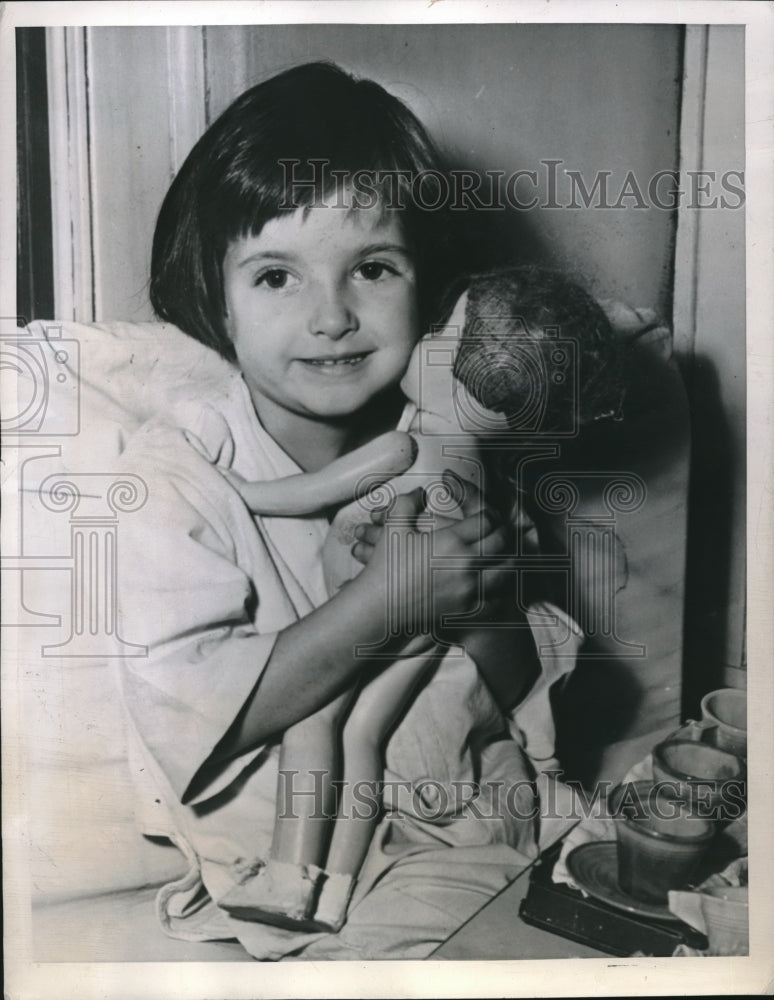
(598, 98)
(496, 96)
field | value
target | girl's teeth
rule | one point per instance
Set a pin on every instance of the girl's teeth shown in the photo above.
(329, 362)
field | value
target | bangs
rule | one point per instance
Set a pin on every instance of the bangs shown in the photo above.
(362, 150)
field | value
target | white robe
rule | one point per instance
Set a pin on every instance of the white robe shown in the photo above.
(207, 587)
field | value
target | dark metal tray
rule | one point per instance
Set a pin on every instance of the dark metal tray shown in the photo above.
(565, 911)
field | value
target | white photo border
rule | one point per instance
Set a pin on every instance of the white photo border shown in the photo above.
(569, 977)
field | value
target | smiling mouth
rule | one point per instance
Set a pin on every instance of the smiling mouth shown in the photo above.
(344, 361)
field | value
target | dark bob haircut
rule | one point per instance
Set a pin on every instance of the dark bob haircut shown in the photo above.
(282, 145)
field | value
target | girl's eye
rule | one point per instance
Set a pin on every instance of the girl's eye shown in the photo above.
(275, 278)
(372, 270)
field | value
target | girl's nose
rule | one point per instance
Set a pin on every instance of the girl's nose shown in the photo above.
(332, 314)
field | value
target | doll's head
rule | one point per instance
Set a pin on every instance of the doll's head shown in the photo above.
(539, 350)
(308, 135)
(525, 352)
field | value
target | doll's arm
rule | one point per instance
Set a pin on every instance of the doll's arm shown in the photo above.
(343, 479)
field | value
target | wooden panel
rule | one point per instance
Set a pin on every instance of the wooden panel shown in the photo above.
(34, 264)
(709, 324)
(719, 353)
(66, 59)
(141, 80)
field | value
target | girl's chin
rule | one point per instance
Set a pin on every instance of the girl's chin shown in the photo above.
(345, 403)
(333, 412)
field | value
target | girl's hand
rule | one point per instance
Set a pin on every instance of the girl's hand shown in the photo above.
(369, 534)
(240, 484)
(429, 575)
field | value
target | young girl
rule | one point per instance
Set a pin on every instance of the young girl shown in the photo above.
(294, 242)
(498, 332)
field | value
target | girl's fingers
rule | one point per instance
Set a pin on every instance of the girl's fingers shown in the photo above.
(369, 533)
(379, 515)
(362, 551)
(496, 542)
(472, 499)
(521, 520)
(407, 506)
(498, 581)
(476, 526)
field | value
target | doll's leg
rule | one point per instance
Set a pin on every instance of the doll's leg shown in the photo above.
(284, 889)
(308, 766)
(378, 706)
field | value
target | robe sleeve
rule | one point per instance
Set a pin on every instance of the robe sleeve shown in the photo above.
(183, 595)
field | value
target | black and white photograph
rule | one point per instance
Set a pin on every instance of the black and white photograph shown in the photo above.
(387, 498)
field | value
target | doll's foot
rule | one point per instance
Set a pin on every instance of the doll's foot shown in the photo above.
(335, 894)
(280, 893)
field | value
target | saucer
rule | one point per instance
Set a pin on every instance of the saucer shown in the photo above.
(594, 868)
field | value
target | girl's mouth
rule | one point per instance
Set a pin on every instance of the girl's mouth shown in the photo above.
(342, 361)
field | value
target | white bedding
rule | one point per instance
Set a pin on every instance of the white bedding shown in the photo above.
(78, 817)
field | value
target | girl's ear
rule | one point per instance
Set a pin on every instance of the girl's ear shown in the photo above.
(227, 323)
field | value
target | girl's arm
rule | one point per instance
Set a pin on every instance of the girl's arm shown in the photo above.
(506, 658)
(316, 657)
(312, 661)
(210, 683)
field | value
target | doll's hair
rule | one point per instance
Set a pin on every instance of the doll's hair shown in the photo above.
(538, 348)
(286, 144)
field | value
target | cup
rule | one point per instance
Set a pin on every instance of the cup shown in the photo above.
(725, 711)
(701, 773)
(726, 918)
(661, 840)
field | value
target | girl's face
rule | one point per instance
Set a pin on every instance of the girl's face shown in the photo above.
(322, 311)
